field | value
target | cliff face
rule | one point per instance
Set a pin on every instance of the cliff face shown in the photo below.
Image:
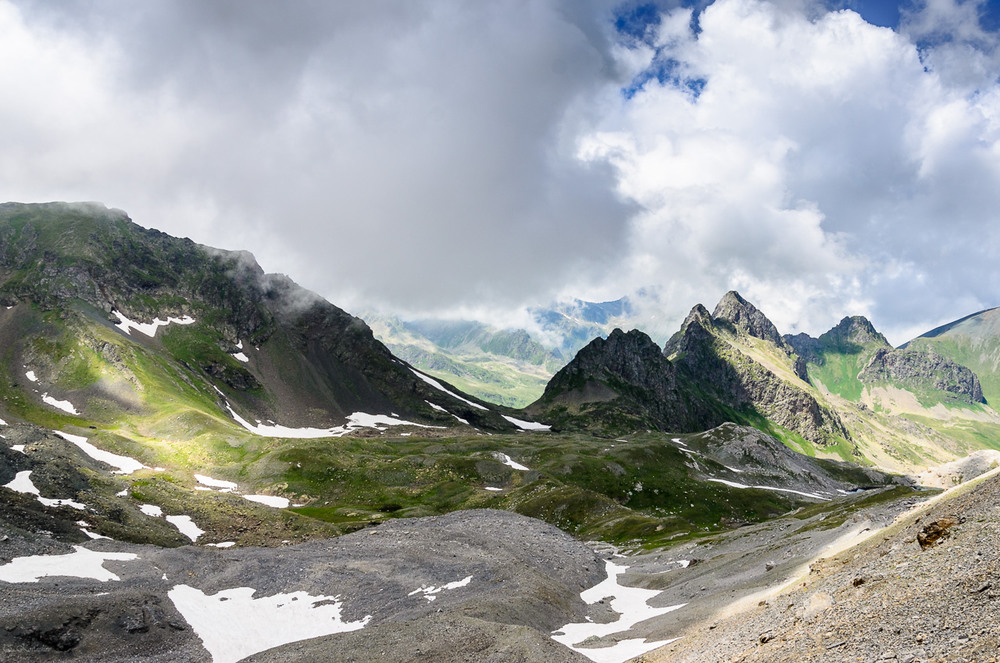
(921, 372)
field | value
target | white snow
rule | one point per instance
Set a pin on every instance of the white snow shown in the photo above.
(31, 376)
(21, 483)
(151, 510)
(149, 329)
(124, 464)
(233, 625)
(122, 493)
(18, 447)
(440, 387)
(677, 440)
(83, 524)
(82, 563)
(732, 469)
(222, 485)
(733, 484)
(630, 604)
(65, 406)
(269, 500)
(2, 422)
(186, 526)
(224, 544)
(356, 420)
(242, 357)
(430, 591)
(437, 407)
(526, 425)
(494, 489)
(507, 460)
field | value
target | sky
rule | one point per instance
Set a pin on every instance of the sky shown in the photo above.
(474, 159)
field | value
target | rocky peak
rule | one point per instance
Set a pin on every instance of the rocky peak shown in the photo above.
(743, 315)
(698, 320)
(854, 330)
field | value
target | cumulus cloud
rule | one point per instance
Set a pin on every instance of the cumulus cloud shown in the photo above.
(816, 164)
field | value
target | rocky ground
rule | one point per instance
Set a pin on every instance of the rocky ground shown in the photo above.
(923, 590)
(526, 578)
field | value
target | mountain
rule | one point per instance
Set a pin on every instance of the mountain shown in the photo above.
(972, 341)
(730, 365)
(846, 394)
(80, 281)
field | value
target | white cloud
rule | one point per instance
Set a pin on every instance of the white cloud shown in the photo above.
(819, 157)
(476, 156)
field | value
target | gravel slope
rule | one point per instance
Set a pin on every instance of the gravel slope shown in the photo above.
(887, 599)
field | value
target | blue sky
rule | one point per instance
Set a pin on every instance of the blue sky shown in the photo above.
(475, 159)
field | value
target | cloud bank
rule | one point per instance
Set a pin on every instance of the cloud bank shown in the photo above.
(487, 156)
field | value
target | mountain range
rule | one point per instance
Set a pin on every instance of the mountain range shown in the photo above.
(158, 395)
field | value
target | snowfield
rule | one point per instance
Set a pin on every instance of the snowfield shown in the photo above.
(124, 464)
(630, 604)
(21, 483)
(82, 563)
(149, 329)
(233, 625)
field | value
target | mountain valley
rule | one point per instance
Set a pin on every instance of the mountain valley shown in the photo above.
(182, 432)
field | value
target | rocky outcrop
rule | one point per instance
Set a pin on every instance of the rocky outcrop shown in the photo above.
(922, 371)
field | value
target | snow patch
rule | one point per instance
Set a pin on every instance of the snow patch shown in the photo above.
(31, 376)
(82, 563)
(151, 510)
(440, 387)
(186, 526)
(356, 420)
(18, 447)
(149, 329)
(222, 485)
(734, 484)
(494, 489)
(224, 544)
(65, 406)
(430, 591)
(630, 604)
(124, 464)
(21, 483)
(233, 625)
(2, 422)
(526, 425)
(241, 357)
(507, 460)
(269, 500)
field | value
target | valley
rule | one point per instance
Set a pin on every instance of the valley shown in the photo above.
(192, 450)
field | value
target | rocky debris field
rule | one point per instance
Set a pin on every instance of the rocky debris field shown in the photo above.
(923, 590)
(474, 585)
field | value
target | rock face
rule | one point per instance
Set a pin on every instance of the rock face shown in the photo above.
(922, 371)
(310, 360)
(852, 335)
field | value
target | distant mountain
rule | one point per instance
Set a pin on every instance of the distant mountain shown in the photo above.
(503, 366)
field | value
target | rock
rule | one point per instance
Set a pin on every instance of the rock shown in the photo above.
(935, 532)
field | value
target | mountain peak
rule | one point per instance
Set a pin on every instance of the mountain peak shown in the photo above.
(855, 330)
(743, 315)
